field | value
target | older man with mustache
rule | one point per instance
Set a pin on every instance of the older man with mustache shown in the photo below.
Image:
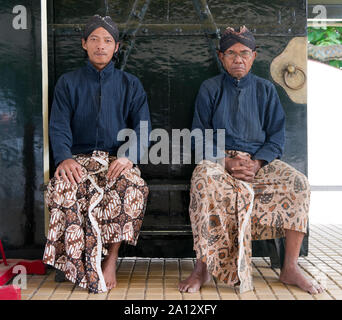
(251, 194)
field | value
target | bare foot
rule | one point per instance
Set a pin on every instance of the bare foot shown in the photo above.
(109, 272)
(198, 277)
(294, 276)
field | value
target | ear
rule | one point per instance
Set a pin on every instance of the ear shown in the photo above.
(116, 47)
(220, 55)
(84, 45)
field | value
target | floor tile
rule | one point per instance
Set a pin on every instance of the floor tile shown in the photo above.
(158, 278)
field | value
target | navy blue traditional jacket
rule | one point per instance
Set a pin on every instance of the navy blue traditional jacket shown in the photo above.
(90, 107)
(249, 111)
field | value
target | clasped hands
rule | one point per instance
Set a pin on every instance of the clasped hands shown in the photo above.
(242, 167)
(71, 171)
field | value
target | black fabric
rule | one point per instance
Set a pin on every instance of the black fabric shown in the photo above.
(242, 35)
(106, 22)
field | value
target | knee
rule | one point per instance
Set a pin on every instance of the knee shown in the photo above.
(300, 183)
(212, 180)
(296, 181)
(57, 185)
(56, 190)
(133, 175)
(207, 169)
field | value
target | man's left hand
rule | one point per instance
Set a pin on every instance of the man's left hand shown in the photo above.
(247, 171)
(119, 166)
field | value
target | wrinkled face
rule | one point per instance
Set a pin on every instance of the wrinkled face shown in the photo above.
(100, 46)
(237, 60)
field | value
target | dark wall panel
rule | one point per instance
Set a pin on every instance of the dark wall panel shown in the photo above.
(21, 200)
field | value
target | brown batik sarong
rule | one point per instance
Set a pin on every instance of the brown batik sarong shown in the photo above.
(227, 213)
(86, 218)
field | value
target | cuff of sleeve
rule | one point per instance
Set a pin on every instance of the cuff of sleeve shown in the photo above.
(265, 155)
(61, 157)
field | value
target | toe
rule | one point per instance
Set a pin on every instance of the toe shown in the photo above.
(192, 290)
(181, 287)
(184, 289)
(320, 289)
(312, 290)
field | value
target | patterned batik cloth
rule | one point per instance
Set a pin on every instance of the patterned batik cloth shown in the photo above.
(86, 218)
(227, 214)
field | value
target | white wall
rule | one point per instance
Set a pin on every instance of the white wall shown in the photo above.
(325, 142)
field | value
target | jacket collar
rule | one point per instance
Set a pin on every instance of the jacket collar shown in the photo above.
(242, 83)
(107, 70)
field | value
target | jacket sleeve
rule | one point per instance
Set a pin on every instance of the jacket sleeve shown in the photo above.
(59, 126)
(205, 144)
(140, 121)
(273, 147)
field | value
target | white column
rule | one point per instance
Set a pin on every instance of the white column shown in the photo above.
(325, 142)
(45, 96)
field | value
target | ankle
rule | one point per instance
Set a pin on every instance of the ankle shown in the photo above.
(200, 266)
(289, 266)
(111, 258)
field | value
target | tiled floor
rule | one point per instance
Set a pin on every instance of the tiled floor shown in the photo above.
(155, 279)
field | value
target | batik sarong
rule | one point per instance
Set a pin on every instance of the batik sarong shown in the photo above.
(86, 218)
(227, 214)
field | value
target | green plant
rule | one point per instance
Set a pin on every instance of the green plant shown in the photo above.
(326, 37)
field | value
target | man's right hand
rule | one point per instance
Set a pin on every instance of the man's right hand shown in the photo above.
(69, 170)
(242, 163)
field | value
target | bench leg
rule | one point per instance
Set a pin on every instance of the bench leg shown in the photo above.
(59, 277)
(280, 247)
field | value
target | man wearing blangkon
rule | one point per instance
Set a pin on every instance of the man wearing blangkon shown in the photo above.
(251, 194)
(96, 198)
